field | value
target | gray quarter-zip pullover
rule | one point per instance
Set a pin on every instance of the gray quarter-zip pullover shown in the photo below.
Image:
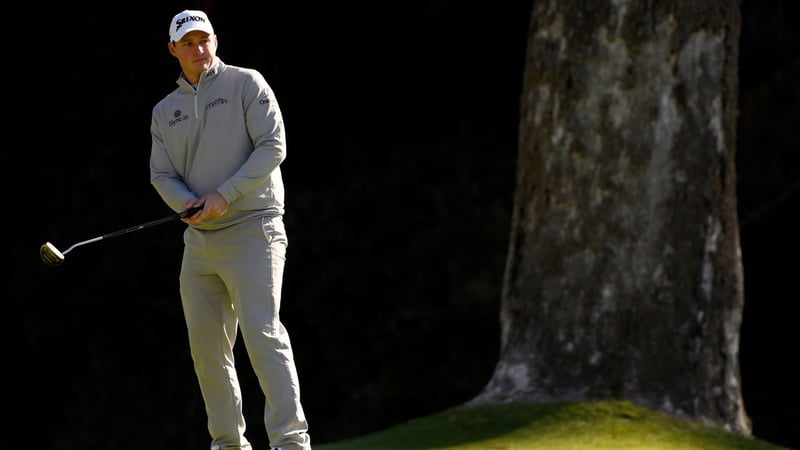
(226, 135)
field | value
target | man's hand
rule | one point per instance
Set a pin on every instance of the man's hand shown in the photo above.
(214, 205)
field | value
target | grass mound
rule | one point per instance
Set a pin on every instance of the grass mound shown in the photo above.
(616, 424)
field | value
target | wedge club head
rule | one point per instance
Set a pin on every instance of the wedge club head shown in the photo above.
(51, 255)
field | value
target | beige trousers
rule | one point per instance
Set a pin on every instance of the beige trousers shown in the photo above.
(231, 281)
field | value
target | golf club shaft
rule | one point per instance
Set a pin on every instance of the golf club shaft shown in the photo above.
(177, 216)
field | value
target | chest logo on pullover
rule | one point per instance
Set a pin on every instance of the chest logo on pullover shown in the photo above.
(216, 102)
(178, 117)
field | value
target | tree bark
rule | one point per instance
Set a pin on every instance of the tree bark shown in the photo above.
(623, 275)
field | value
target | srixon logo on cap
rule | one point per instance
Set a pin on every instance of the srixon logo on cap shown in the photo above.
(181, 22)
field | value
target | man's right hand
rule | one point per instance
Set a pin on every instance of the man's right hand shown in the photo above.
(213, 204)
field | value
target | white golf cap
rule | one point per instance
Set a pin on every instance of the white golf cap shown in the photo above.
(186, 21)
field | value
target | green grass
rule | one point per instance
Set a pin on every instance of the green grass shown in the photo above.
(612, 425)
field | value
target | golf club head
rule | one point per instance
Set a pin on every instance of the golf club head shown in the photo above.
(51, 255)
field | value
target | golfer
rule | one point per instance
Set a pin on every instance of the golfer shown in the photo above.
(218, 141)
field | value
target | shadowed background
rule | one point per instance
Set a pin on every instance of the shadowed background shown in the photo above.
(402, 139)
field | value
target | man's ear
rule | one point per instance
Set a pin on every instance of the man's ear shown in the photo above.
(171, 47)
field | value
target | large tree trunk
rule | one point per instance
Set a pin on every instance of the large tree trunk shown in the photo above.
(624, 273)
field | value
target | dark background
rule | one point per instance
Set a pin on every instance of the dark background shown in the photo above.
(402, 138)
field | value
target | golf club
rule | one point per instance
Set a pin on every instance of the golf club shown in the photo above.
(53, 257)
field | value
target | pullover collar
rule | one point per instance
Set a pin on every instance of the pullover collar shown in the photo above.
(212, 71)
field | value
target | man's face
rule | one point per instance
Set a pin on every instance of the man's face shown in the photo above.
(195, 52)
